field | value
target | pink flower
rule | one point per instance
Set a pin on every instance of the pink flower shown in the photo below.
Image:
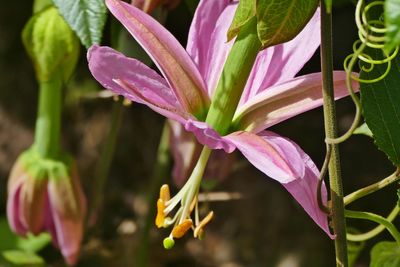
(46, 196)
(272, 93)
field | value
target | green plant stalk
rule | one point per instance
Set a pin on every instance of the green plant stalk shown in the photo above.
(372, 188)
(160, 172)
(338, 219)
(375, 218)
(377, 230)
(48, 122)
(106, 156)
(234, 76)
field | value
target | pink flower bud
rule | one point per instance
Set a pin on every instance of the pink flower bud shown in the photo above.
(46, 196)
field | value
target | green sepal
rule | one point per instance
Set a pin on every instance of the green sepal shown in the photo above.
(38, 167)
(385, 254)
(244, 12)
(39, 5)
(51, 44)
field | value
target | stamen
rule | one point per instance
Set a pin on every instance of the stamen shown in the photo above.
(198, 232)
(164, 193)
(181, 229)
(160, 218)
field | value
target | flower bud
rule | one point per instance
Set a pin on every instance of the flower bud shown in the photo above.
(46, 195)
(51, 44)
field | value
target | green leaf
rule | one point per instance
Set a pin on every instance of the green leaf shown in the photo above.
(23, 258)
(8, 238)
(392, 21)
(244, 12)
(51, 44)
(86, 18)
(364, 130)
(279, 21)
(380, 102)
(385, 254)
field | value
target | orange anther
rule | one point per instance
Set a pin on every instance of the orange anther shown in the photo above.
(160, 213)
(181, 229)
(198, 232)
(164, 193)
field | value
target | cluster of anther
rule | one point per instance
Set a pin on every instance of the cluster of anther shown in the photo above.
(181, 221)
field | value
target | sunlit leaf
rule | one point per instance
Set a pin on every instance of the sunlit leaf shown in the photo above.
(281, 20)
(86, 18)
(245, 11)
(392, 20)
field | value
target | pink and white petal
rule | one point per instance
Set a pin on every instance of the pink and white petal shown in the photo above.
(277, 158)
(285, 162)
(171, 58)
(207, 136)
(134, 80)
(219, 48)
(286, 100)
(282, 62)
(201, 30)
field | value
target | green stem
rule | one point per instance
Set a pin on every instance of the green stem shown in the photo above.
(338, 219)
(48, 122)
(106, 156)
(234, 77)
(161, 171)
(372, 188)
(375, 218)
(376, 231)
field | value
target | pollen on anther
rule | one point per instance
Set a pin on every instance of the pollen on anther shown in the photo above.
(160, 218)
(181, 229)
(164, 193)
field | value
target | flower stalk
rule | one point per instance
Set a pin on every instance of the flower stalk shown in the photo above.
(338, 219)
(48, 125)
(234, 77)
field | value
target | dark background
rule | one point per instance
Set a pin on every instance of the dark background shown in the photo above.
(266, 228)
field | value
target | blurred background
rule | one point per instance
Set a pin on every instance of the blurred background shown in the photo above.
(266, 227)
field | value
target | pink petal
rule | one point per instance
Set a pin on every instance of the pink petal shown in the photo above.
(167, 53)
(286, 100)
(185, 150)
(135, 81)
(282, 62)
(207, 38)
(13, 212)
(285, 162)
(208, 136)
(67, 210)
